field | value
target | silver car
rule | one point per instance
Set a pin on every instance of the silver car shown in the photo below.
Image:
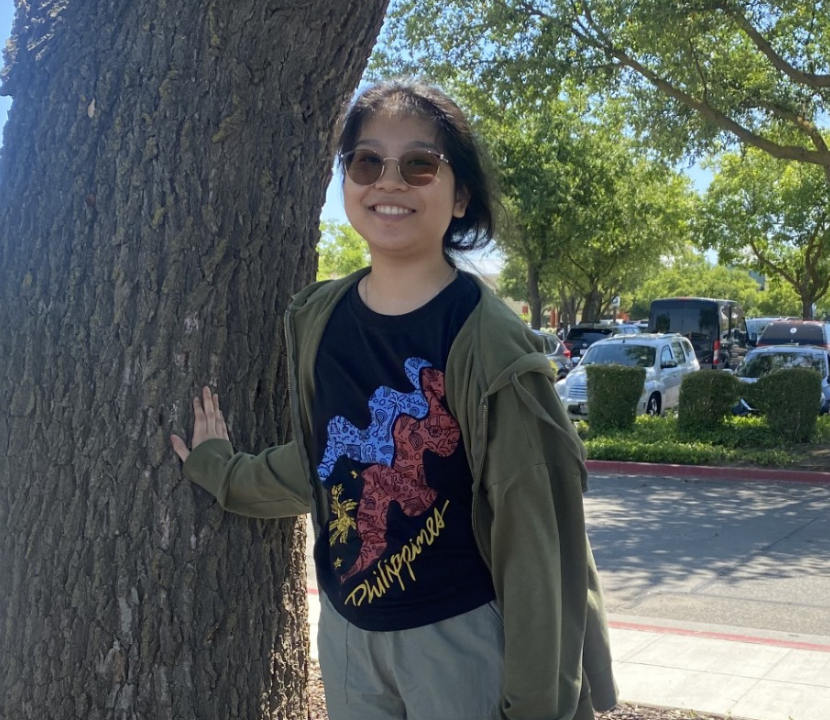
(667, 358)
(763, 360)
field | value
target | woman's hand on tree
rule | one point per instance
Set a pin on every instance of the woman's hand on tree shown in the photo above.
(208, 424)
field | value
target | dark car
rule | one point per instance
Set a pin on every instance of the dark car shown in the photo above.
(581, 337)
(755, 326)
(715, 327)
(796, 332)
(556, 352)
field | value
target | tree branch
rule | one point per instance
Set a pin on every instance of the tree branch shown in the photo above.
(594, 36)
(782, 152)
(812, 80)
(778, 270)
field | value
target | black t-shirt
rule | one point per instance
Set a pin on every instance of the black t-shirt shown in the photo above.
(398, 549)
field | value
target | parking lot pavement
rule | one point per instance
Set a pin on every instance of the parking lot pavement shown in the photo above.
(753, 555)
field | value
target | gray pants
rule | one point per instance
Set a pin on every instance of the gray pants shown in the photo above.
(451, 670)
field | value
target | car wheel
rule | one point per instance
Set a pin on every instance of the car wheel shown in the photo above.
(653, 405)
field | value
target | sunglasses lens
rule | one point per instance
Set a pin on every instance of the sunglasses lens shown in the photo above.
(364, 166)
(418, 167)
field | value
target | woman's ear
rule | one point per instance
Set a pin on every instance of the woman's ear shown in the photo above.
(462, 198)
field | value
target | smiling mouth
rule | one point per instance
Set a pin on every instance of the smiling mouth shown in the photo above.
(391, 210)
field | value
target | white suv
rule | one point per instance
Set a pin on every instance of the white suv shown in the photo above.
(666, 358)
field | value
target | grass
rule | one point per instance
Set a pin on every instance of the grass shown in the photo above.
(739, 441)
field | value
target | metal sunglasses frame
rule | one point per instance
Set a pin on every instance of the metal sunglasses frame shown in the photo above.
(344, 158)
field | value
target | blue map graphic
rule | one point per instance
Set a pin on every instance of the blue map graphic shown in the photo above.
(375, 445)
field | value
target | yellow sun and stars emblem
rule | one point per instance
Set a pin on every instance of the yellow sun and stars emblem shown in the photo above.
(343, 521)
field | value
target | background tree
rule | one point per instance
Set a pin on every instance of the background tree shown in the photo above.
(774, 217)
(162, 175)
(694, 71)
(688, 273)
(535, 156)
(779, 299)
(587, 211)
(340, 251)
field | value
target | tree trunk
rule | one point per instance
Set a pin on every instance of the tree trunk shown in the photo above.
(569, 308)
(162, 176)
(534, 297)
(592, 307)
(806, 307)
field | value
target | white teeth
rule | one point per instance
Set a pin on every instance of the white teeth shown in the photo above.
(391, 210)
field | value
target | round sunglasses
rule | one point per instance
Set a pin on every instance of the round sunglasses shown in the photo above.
(417, 168)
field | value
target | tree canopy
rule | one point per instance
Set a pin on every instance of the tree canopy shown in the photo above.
(690, 274)
(774, 217)
(587, 212)
(696, 72)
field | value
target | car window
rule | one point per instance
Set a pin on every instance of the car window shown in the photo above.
(665, 355)
(782, 333)
(687, 346)
(590, 334)
(760, 364)
(677, 349)
(620, 354)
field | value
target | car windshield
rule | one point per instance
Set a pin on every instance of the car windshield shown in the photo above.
(755, 366)
(757, 325)
(590, 334)
(620, 354)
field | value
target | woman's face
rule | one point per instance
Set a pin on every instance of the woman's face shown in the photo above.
(395, 219)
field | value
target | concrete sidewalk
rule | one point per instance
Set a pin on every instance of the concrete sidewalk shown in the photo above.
(720, 668)
(709, 670)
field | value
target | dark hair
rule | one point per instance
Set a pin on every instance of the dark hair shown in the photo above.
(456, 140)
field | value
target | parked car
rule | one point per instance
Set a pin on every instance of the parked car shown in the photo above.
(755, 326)
(581, 337)
(796, 332)
(556, 352)
(761, 361)
(667, 358)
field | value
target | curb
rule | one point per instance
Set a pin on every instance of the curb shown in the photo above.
(618, 467)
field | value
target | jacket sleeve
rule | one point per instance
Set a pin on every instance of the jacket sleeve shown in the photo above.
(269, 485)
(534, 476)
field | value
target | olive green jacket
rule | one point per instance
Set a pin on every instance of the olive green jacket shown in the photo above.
(528, 479)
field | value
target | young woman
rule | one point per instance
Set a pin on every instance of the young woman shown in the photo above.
(443, 477)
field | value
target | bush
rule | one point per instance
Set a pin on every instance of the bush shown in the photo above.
(706, 399)
(657, 439)
(613, 394)
(791, 401)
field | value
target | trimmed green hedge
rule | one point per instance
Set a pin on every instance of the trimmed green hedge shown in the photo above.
(613, 394)
(739, 440)
(791, 401)
(706, 399)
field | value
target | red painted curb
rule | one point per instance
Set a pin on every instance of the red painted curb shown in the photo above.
(711, 635)
(707, 471)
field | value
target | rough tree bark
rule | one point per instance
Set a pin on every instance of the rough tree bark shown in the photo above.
(162, 175)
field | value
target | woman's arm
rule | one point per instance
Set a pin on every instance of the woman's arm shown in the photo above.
(269, 485)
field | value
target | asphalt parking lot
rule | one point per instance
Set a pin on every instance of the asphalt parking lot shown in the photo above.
(746, 554)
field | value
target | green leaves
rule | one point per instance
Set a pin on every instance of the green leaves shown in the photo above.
(771, 216)
(341, 251)
(695, 73)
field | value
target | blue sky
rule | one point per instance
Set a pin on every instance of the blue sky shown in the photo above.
(6, 17)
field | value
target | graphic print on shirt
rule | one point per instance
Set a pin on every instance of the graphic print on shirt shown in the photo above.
(403, 426)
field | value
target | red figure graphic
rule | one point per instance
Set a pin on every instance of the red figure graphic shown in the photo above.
(404, 482)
